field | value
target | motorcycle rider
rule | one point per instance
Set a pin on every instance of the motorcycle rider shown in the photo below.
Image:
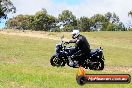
(82, 46)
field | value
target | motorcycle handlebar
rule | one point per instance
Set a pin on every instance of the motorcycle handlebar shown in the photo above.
(66, 43)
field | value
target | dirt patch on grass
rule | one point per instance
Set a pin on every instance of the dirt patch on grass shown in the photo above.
(34, 34)
(9, 60)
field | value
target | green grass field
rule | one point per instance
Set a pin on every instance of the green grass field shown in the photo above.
(24, 61)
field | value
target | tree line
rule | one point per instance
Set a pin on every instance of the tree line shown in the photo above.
(66, 21)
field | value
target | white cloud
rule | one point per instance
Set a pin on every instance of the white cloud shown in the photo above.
(85, 8)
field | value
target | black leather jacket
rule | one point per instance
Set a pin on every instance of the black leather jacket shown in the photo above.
(81, 43)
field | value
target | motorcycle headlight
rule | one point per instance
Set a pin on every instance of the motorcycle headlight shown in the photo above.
(100, 50)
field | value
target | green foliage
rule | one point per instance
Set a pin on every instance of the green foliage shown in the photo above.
(108, 16)
(43, 21)
(130, 29)
(130, 13)
(110, 27)
(68, 28)
(84, 24)
(40, 21)
(6, 7)
(66, 22)
(20, 22)
(11, 23)
(66, 15)
(107, 22)
(99, 22)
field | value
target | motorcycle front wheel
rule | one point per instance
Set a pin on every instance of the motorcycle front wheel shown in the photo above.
(54, 61)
